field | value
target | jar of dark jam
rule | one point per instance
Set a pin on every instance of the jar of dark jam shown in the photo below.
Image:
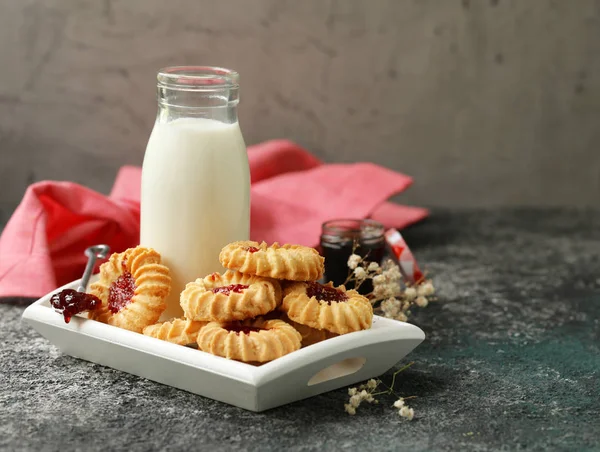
(339, 237)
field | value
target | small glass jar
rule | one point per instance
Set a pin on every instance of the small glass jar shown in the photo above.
(340, 237)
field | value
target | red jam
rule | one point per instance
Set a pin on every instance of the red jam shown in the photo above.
(252, 249)
(325, 293)
(69, 302)
(121, 292)
(237, 328)
(226, 290)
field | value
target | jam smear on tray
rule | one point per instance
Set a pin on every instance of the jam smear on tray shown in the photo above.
(252, 249)
(121, 292)
(69, 302)
(241, 329)
(226, 290)
(325, 293)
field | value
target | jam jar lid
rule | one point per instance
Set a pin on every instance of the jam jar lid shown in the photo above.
(343, 230)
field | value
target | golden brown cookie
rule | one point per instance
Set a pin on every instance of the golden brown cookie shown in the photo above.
(177, 331)
(256, 340)
(228, 297)
(133, 286)
(290, 262)
(325, 307)
(309, 335)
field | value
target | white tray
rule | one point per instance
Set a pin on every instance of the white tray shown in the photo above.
(325, 366)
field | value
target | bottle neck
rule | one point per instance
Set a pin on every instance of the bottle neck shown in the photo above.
(168, 112)
(197, 92)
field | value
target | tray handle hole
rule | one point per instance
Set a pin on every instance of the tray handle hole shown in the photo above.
(338, 370)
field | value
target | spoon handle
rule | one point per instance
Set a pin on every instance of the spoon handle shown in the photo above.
(93, 253)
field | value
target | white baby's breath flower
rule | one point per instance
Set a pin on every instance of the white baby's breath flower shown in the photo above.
(353, 261)
(379, 292)
(390, 307)
(386, 290)
(387, 264)
(392, 299)
(399, 403)
(378, 280)
(426, 289)
(360, 273)
(401, 317)
(422, 301)
(393, 273)
(393, 289)
(355, 400)
(407, 413)
(410, 293)
(373, 267)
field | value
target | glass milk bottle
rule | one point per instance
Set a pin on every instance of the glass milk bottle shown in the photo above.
(195, 176)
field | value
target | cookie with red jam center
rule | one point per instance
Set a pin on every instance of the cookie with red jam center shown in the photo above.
(133, 286)
(229, 297)
(284, 262)
(325, 307)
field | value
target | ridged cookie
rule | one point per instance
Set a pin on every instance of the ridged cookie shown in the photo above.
(133, 286)
(228, 297)
(255, 340)
(309, 335)
(289, 262)
(177, 331)
(325, 307)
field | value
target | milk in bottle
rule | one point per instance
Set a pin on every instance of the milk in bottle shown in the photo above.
(195, 176)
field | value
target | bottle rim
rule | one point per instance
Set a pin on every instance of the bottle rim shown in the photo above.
(197, 78)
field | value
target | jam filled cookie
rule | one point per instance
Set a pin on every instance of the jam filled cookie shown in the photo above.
(133, 286)
(177, 331)
(291, 262)
(228, 297)
(325, 307)
(255, 340)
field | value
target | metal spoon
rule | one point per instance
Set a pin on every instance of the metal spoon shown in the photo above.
(93, 253)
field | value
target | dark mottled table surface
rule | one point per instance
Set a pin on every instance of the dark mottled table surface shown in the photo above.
(511, 361)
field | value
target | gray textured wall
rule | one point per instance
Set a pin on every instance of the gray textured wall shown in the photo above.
(485, 102)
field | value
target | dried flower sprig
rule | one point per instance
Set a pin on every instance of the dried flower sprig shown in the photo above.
(367, 393)
(393, 299)
(389, 296)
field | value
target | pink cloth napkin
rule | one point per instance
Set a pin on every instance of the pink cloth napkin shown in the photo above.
(293, 193)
